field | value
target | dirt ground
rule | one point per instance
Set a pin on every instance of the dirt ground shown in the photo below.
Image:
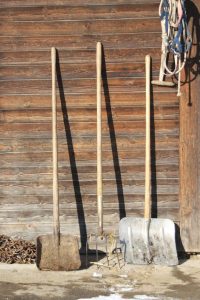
(130, 282)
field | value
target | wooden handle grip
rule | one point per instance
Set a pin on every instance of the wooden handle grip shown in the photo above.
(99, 140)
(147, 208)
(56, 223)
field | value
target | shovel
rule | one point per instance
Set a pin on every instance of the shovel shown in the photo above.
(148, 240)
(56, 252)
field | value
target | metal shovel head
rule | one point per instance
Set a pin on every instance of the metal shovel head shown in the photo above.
(146, 241)
(58, 257)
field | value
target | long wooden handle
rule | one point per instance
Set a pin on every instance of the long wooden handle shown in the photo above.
(147, 208)
(56, 223)
(99, 140)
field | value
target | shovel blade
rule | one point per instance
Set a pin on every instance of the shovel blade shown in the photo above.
(146, 241)
(58, 257)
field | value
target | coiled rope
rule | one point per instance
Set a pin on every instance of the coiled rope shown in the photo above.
(176, 38)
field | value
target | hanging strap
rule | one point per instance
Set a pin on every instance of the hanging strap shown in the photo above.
(176, 38)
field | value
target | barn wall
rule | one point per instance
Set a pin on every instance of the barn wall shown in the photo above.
(128, 30)
(190, 139)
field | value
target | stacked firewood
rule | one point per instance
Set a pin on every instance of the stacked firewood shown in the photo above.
(16, 251)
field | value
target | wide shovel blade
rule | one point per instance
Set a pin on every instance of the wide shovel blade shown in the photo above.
(58, 257)
(146, 241)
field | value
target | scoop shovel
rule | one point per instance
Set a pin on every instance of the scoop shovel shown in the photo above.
(148, 240)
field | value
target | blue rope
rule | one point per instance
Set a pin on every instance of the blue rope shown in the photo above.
(178, 45)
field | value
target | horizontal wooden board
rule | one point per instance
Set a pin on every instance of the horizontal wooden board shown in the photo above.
(13, 102)
(81, 41)
(24, 159)
(72, 209)
(87, 115)
(80, 86)
(134, 156)
(88, 27)
(123, 172)
(70, 216)
(132, 84)
(77, 56)
(85, 200)
(74, 70)
(24, 3)
(43, 130)
(82, 12)
(66, 188)
(36, 144)
(162, 186)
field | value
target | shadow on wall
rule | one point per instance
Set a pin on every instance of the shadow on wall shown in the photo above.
(72, 158)
(154, 206)
(183, 255)
(116, 163)
(192, 68)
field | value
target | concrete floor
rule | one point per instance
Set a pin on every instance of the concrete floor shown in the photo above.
(130, 282)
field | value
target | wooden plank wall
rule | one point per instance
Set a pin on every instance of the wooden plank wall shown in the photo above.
(128, 30)
(190, 139)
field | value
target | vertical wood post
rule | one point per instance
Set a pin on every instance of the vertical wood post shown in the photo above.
(99, 140)
(147, 208)
(190, 139)
(56, 223)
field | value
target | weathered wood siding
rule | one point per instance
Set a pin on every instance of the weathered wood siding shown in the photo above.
(190, 139)
(128, 30)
